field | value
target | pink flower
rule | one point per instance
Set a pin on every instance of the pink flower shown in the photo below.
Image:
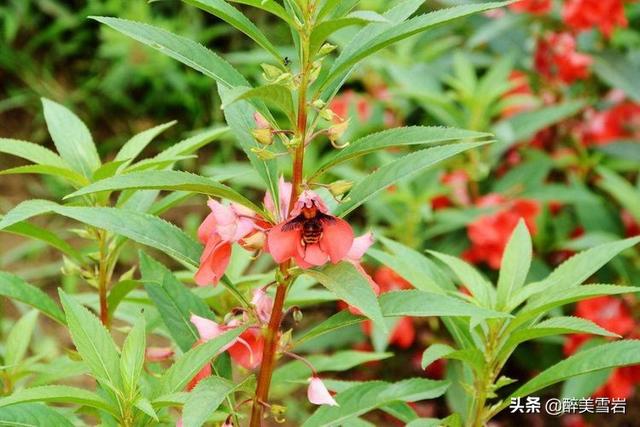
(284, 197)
(224, 226)
(360, 245)
(158, 354)
(318, 394)
(310, 235)
(246, 350)
(263, 304)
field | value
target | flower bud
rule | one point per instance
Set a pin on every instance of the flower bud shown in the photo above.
(327, 114)
(315, 71)
(326, 49)
(263, 136)
(261, 122)
(254, 242)
(263, 153)
(271, 72)
(338, 188)
(336, 131)
(297, 315)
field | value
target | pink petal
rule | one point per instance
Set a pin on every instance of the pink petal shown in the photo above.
(158, 354)
(207, 228)
(360, 246)
(284, 197)
(247, 350)
(213, 263)
(318, 394)
(337, 239)
(282, 245)
(314, 255)
(263, 304)
(207, 328)
(309, 199)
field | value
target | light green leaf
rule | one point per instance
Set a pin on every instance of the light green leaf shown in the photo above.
(424, 304)
(274, 94)
(344, 280)
(17, 343)
(118, 293)
(132, 357)
(71, 138)
(32, 415)
(204, 399)
(365, 397)
(134, 146)
(33, 152)
(145, 406)
(34, 232)
(403, 168)
(618, 72)
(323, 30)
(185, 50)
(402, 136)
(235, 18)
(620, 189)
(65, 173)
(166, 180)
(516, 262)
(174, 301)
(184, 369)
(339, 320)
(58, 394)
(270, 6)
(434, 352)
(93, 342)
(13, 287)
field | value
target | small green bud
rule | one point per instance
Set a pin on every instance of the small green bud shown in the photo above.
(297, 315)
(338, 188)
(336, 131)
(326, 49)
(263, 136)
(263, 153)
(271, 72)
(319, 104)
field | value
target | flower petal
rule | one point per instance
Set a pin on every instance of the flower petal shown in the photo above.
(318, 394)
(314, 255)
(207, 328)
(360, 246)
(282, 245)
(337, 239)
(207, 228)
(213, 263)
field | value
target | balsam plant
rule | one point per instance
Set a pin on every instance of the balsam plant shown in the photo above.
(231, 337)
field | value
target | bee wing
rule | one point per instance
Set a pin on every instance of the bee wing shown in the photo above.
(325, 219)
(294, 224)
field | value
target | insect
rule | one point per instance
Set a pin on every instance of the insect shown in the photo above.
(286, 61)
(311, 222)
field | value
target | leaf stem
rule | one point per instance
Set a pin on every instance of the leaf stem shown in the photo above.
(103, 280)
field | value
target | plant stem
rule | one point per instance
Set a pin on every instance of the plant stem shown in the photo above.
(103, 280)
(484, 383)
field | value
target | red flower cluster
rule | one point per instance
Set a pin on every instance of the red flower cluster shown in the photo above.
(613, 315)
(603, 127)
(585, 14)
(556, 58)
(534, 7)
(490, 234)
(520, 98)
(458, 190)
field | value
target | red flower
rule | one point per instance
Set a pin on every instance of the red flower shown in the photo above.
(519, 98)
(604, 127)
(607, 312)
(457, 183)
(490, 234)
(631, 226)
(342, 104)
(556, 58)
(586, 14)
(620, 384)
(535, 7)
(328, 238)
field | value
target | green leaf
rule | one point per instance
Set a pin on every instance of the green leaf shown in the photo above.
(145, 406)
(17, 343)
(323, 30)
(402, 136)
(515, 265)
(34, 232)
(140, 227)
(239, 117)
(401, 31)
(418, 303)
(403, 168)
(204, 399)
(434, 352)
(65, 173)
(134, 146)
(184, 369)
(618, 72)
(192, 144)
(344, 280)
(620, 189)
(235, 18)
(71, 138)
(33, 152)
(185, 50)
(174, 301)
(269, 6)
(615, 354)
(59, 394)
(274, 94)
(12, 286)
(93, 342)
(132, 357)
(339, 320)
(365, 397)
(472, 279)
(118, 292)
(32, 415)
(166, 180)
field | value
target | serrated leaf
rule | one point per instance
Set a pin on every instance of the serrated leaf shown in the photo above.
(93, 342)
(32, 415)
(35, 232)
(235, 18)
(33, 152)
(339, 320)
(192, 144)
(65, 173)
(140, 227)
(621, 190)
(434, 352)
(365, 397)
(323, 30)
(402, 136)
(166, 180)
(515, 265)
(344, 280)
(270, 6)
(132, 357)
(274, 94)
(134, 146)
(185, 50)
(204, 399)
(12, 286)
(58, 394)
(185, 368)
(17, 343)
(403, 168)
(118, 293)
(174, 301)
(559, 326)
(71, 138)
(145, 406)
